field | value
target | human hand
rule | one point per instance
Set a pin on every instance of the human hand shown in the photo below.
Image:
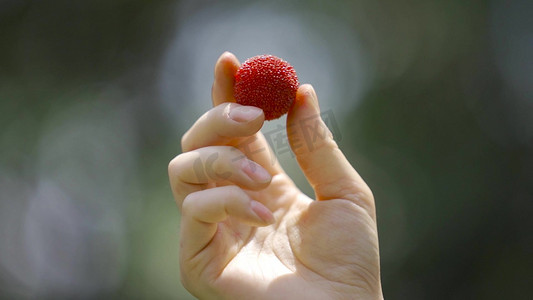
(247, 232)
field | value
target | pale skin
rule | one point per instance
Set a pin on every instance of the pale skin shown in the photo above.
(247, 232)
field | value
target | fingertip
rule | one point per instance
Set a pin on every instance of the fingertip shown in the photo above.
(225, 69)
(226, 64)
(225, 56)
(306, 89)
(244, 114)
(262, 212)
(241, 120)
(306, 103)
(306, 95)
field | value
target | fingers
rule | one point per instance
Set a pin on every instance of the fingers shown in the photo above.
(193, 171)
(202, 211)
(222, 124)
(236, 125)
(231, 123)
(325, 166)
(225, 69)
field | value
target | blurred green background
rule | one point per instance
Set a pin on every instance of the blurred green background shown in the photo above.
(433, 99)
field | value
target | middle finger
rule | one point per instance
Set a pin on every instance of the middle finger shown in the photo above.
(196, 170)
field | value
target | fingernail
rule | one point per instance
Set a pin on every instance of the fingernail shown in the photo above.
(255, 171)
(244, 113)
(262, 212)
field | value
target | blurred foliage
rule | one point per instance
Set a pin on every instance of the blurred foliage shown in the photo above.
(442, 134)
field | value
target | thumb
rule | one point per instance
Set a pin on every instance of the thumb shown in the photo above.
(323, 163)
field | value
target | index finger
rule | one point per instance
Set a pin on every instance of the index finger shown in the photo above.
(225, 69)
(255, 146)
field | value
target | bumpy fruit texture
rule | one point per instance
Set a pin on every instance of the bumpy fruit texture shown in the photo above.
(267, 82)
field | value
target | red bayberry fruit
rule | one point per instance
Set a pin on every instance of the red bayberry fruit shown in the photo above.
(267, 82)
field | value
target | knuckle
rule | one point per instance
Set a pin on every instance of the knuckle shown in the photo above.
(222, 163)
(188, 204)
(353, 190)
(236, 157)
(235, 192)
(171, 167)
(326, 143)
(185, 145)
(216, 161)
(359, 193)
(175, 166)
(174, 162)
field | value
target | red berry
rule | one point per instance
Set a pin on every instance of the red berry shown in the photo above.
(267, 82)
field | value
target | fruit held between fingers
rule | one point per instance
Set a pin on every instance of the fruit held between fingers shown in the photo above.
(267, 82)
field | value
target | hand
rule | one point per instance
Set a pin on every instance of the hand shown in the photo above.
(247, 232)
